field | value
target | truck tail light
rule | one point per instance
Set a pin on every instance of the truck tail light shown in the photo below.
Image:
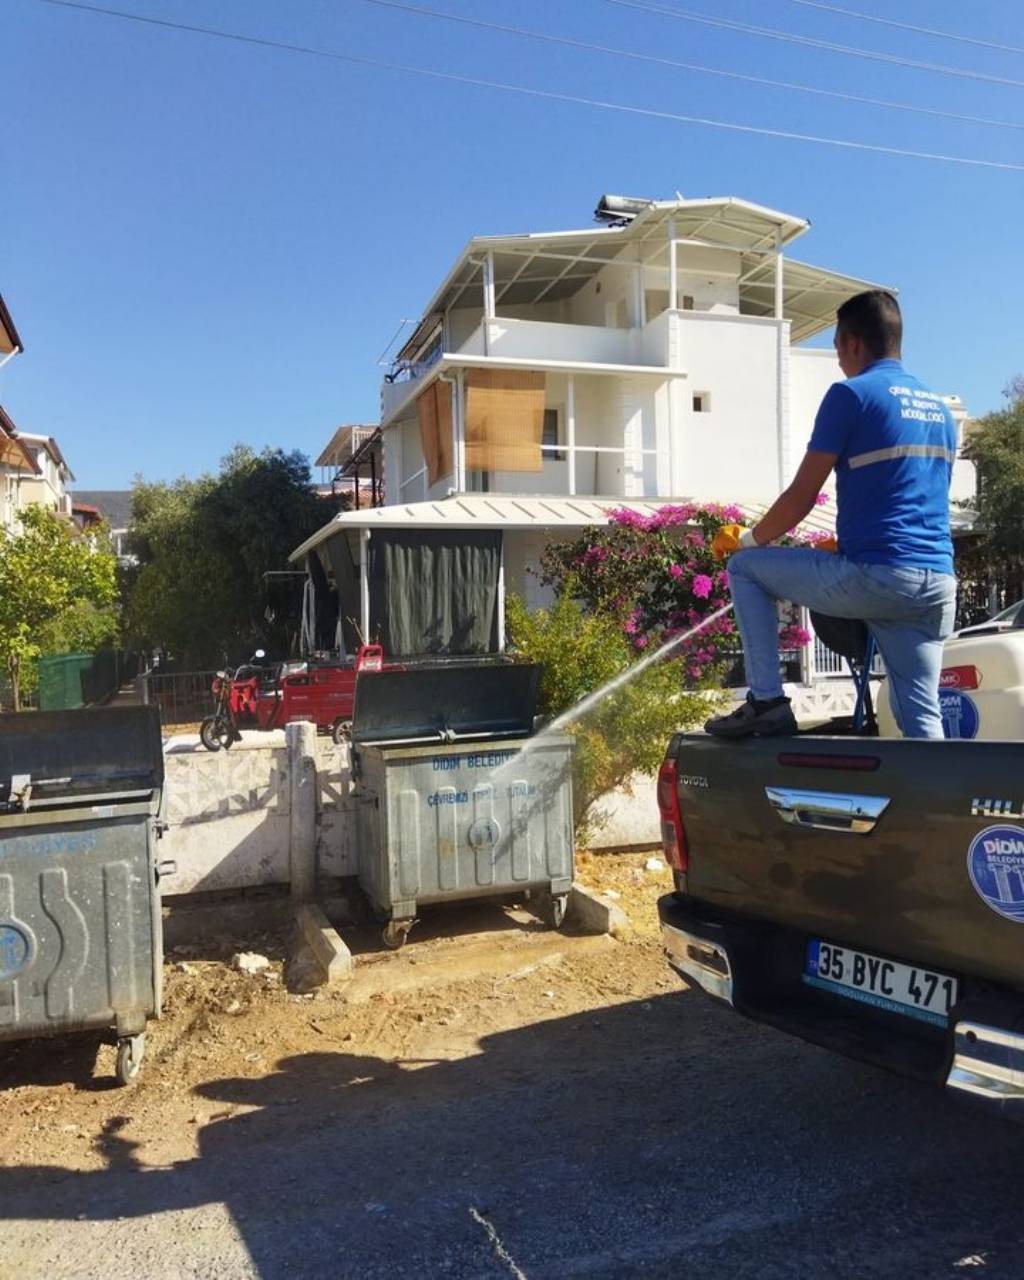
(673, 833)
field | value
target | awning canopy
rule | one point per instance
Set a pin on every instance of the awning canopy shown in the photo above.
(345, 441)
(481, 511)
(14, 452)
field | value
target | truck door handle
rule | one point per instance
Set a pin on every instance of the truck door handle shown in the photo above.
(827, 810)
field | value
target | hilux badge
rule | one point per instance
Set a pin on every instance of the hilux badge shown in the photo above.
(997, 809)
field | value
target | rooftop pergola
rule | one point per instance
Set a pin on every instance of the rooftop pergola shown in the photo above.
(548, 266)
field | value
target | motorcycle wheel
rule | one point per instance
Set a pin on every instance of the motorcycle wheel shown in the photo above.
(211, 732)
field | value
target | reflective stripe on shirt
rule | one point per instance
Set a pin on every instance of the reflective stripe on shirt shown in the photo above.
(903, 451)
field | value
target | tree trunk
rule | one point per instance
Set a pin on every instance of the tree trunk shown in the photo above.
(13, 672)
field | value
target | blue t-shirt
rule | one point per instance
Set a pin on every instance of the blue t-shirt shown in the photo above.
(896, 442)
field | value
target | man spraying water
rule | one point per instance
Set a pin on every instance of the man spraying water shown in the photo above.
(892, 443)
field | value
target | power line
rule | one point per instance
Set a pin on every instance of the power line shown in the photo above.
(549, 38)
(909, 26)
(544, 94)
(770, 33)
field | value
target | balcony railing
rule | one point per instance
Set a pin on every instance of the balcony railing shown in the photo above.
(543, 342)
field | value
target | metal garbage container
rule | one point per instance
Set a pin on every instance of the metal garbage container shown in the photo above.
(80, 928)
(456, 796)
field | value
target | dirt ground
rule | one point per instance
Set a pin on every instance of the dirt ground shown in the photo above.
(466, 973)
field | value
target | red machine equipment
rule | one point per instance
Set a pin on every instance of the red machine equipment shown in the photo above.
(270, 698)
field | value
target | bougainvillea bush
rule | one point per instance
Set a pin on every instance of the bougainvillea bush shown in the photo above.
(657, 576)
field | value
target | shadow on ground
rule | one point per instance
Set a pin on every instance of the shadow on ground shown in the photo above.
(649, 1138)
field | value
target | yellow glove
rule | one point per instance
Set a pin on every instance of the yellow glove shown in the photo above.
(727, 540)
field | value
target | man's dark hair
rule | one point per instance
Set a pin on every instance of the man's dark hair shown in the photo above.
(875, 318)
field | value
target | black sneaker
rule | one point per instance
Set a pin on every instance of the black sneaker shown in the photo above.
(772, 719)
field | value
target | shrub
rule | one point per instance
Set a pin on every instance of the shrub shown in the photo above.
(628, 731)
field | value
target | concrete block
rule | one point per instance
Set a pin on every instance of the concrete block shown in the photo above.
(594, 914)
(324, 942)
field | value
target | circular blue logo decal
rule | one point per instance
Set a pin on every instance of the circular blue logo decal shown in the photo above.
(995, 862)
(14, 951)
(960, 717)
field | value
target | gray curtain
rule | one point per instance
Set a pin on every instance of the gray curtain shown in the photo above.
(435, 591)
(325, 604)
(346, 582)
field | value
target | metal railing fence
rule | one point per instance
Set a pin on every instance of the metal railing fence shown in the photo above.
(184, 697)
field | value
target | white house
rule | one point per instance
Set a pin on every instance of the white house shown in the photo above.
(665, 347)
(659, 355)
(32, 468)
(47, 486)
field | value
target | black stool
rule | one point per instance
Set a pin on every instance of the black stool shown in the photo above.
(851, 640)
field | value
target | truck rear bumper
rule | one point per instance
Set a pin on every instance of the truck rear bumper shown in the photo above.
(988, 1064)
(738, 963)
(705, 962)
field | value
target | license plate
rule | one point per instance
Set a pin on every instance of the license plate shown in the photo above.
(884, 984)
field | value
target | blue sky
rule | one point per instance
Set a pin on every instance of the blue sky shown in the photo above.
(207, 242)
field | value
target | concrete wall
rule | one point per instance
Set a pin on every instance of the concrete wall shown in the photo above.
(811, 373)
(229, 814)
(731, 450)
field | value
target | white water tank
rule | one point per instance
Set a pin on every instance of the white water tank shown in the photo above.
(981, 689)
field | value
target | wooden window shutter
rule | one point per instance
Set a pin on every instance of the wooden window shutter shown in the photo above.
(504, 420)
(434, 410)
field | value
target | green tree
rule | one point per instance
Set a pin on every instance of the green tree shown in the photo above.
(49, 575)
(204, 546)
(996, 447)
(626, 733)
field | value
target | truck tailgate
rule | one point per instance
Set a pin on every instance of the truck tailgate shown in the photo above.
(908, 849)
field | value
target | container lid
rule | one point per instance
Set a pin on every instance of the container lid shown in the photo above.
(102, 750)
(449, 701)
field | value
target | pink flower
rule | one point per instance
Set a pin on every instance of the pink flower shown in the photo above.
(701, 586)
(794, 637)
(640, 642)
(676, 570)
(821, 500)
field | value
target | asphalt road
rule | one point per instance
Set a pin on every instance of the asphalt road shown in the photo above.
(656, 1138)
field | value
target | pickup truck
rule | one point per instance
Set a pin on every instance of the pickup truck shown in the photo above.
(864, 894)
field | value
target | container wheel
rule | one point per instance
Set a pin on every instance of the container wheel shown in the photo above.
(209, 734)
(557, 909)
(130, 1052)
(395, 933)
(341, 731)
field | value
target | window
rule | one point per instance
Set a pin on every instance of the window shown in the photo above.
(687, 302)
(551, 437)
(702, 402)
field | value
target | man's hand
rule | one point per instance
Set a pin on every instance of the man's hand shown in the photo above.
(730, 538)
(827, 544)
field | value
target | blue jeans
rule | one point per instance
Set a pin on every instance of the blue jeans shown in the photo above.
(908, 611)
